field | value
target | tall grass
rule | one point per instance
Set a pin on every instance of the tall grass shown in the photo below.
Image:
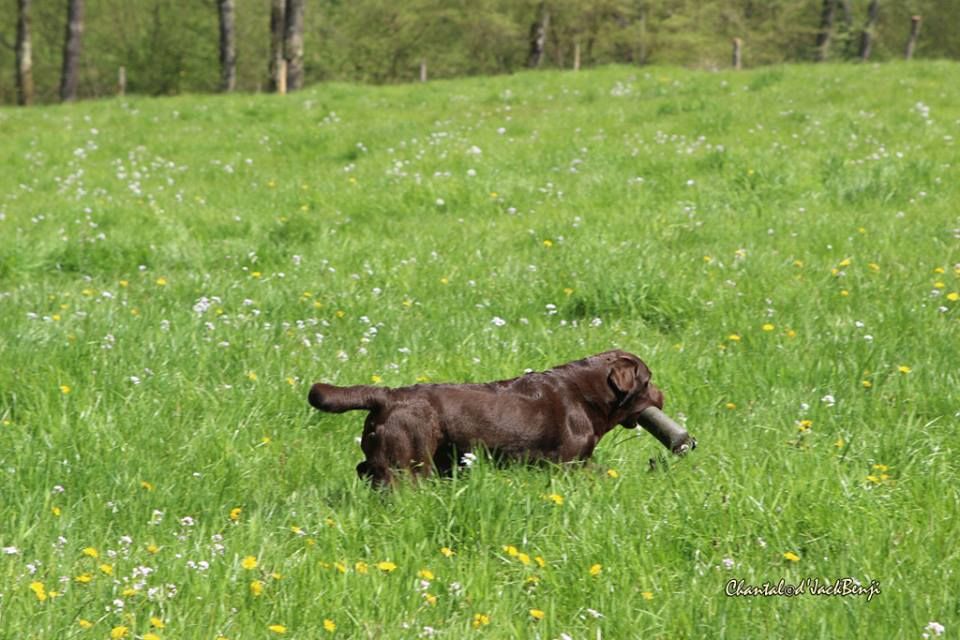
(782, 247)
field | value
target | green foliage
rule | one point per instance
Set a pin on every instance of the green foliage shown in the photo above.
(172, 48)
(780, 245)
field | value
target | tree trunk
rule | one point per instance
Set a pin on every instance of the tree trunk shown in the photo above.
(293, 43)
(71, 51)
(826, 29)
(277, 23)
(866, 38)
(914, 34)
(848, 39)
(228, 46)
(23, 54)
(538, 36)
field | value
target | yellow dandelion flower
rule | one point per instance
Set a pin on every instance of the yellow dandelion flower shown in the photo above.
(881, 467)
(340, 567)
(150, 635)
(537, 614)
(567, 291)
(249, 563)
(361, 568)
(596, 569)
(523, 558)
(540, 561)
(39, 590)
(329, 625)
(844, 293)
(65, 389)
(532, 581)
(375, 379)
(430, 599)
(161, 282)
(798, 264)
(510, 550)
(256, 588)
(731, 406)
(447, 552)
(252, 376)
(613, 473)
(866, 384)
(117, 633)
(148, 486)
(91, 552)
(480, 620)
(152, 548)
(548, 243)
(791, 556)
(647, 595)
(157, 623)
(733, 337)
(939, 284)
(256, 275)
(873, 266)
(84, 623)
(555, 498)
(904, 369)
(874, 479)
(124, 283)
(106, 569)
(386, 566)
(839, 443)
(768, 327)
(953, 296)
(426, 574)
(279, 629)
(129, 592)
(296, 530)
(83, 578)
(790, 333)
(235, 513)
(56, 511)
(444, 280)
(845, 262)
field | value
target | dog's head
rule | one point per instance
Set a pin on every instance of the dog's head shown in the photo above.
(628, 378)
(637, 401)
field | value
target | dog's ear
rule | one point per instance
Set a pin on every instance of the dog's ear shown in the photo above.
(623, 376)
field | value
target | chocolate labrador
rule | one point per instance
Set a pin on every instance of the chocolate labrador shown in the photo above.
(557, 415)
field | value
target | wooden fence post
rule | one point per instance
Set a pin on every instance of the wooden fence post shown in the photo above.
(576, 56)
(737, 59)
(281, 76)
(122, 81)
(423, 70)
(914, 34)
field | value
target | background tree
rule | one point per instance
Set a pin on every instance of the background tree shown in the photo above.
(228, 45)
(24, 54)
(278, 23)
(71, 50)
(293, 43)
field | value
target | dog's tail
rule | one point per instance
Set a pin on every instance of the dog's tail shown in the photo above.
(331, 399)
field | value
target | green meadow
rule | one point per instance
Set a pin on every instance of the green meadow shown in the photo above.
(781, 246)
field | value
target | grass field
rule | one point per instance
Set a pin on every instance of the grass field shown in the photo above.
(782, 246)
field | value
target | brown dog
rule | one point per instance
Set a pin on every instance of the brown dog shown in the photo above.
(558, 415)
